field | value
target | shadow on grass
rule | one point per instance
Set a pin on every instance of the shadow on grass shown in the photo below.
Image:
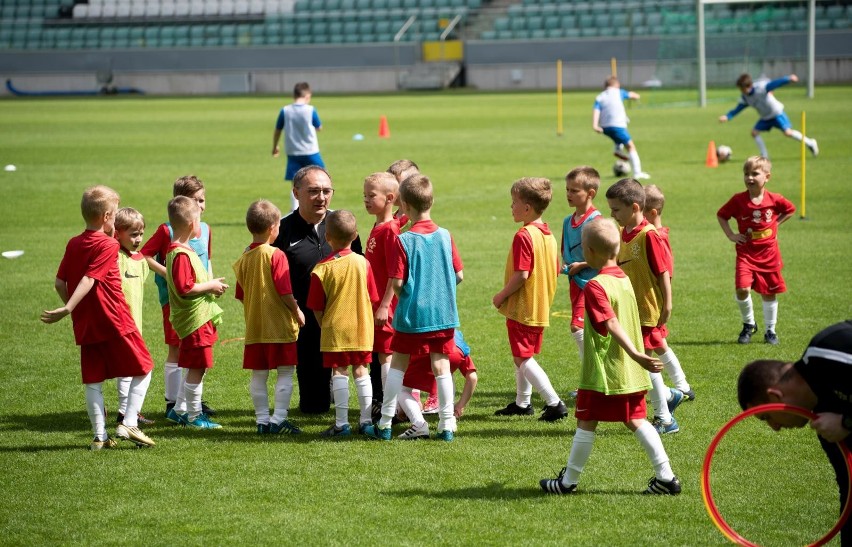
(497, 491)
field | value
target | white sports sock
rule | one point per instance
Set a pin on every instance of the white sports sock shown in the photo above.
(283, 393)
(364, 389)
(446, 393)
(523, 389)
(172, 380)
(393, 385)
(635, 162)
(770, 314)
(796, 134)
(385, 369)
(659, 394)
(123, 386)
(539, 380)
(95, 409)
(746, 309)
(581, 449)
(260, 395)
(761, 146)
(653, 445)
(136, 398)
(340, 390)
(410, 406)
(579, 337)
(192, 394)
(671, 364)
(180, 400)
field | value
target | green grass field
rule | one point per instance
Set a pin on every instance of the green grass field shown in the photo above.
(232, 487)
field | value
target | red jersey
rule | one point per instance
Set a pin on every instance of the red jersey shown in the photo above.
(377, 252)
(598, 307)
(280, 269)
(158, 244)
(103, 314)
(759, 222)
(398, 261)
(523, 257)
(664, 235)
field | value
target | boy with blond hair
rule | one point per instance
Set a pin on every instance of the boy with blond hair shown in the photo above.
(342, 295)
(155, 251)
(613, 379)
(272, 316)
(426, 269)
(134, 270)
(644, 258)
(89, 284)
(194, 313)
(653, 211)
(758, 213)
(532, 269)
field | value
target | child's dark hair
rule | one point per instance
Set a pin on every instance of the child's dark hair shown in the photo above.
(744, 81)
(755, 378)
(534, 191)
(261, 215)
(402, 169)
(628, 191)
(341, 227)
(611, 81)
(301, 89)
(586, 175)
(187, 185)
(416, 192)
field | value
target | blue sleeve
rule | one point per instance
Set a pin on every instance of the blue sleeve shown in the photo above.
(279, 123)
(775, 84)
(625, 94)
(597, 105)
(737, 109)
(315, 121)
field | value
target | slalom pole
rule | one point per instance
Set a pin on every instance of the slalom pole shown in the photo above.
(804, 205)
(613, 67)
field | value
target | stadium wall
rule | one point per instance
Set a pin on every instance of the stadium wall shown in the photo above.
(489, 65)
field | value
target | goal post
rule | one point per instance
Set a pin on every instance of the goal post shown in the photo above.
(702, 53)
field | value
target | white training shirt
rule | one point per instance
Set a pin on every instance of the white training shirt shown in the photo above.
(611, 104)
(300, 136)
(763, 100)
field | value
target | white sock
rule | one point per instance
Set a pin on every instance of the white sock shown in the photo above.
(283, 393)
(260, 395)
(579, 337)
(192, 394)
(796, 135)
(385, 369)
(446, 394)
(770, 314)
(136, 398)
(410, 406)
(95, 408)
(393, 385)
(653, 445)
(123, 385)
(761, 146)
(659, 394)
(364, 389)
(539, 380)
(581, 449)
(523, 389)
(810, 142)
(172, 380)
(180, 399)
(671, 364)
(746, 309)
(340, 389)
(294, 204)
(635, 162)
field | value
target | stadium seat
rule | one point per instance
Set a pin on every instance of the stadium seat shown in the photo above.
(152, 37)
(488, 35)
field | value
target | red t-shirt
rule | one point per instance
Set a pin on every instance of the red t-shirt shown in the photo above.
(316, 293)
(377, 252)
(523, 255)
(183, 277)
(658, 259)
(103, 314)
(280, 269)
(398, 260)
(760, 223)
(597, 302)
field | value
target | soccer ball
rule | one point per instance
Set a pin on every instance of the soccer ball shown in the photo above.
(723, 153)
(620, 168)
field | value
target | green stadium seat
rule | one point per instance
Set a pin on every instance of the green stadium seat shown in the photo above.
(602, 20)
(569, 21)
(488, 35)
(501, 23)
(517, 23)
(504, 34)
(538, 34)
(589, 32)
(535, 22)
(571, 32)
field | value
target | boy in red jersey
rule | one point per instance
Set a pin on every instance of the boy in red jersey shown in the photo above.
(342, 295)
(272, 316)
(613, 380)
(194, 313)
(89, 284)
(532, 268)
(758, 214)
(645, 259)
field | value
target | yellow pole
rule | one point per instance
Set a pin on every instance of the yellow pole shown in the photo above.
(559, 97)
(613, 67)
(804, 132)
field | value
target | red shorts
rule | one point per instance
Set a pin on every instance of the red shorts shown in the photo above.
(438, 341)
(172, 338)
(761, 282)
(114, 358)
(382, 340)
(269, 356)
(524, 341)
(594, 405)
(419, 374)
(336, 359)
(578, 305)
(196, 357)
(654, 337)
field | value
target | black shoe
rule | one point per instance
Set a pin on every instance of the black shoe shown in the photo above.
(376, 411)
(169, 406)
(770, 338)
(555, 486)
(513, 409)
(745, 334)
(206, 409)
(656, 486)
(554, 412)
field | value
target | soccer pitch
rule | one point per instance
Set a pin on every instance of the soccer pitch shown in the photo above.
(234, 487)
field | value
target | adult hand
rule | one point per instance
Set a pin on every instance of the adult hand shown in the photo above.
(829, 426)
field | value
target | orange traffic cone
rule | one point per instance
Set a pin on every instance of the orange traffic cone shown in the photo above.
(384, 130)
(712, 159)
